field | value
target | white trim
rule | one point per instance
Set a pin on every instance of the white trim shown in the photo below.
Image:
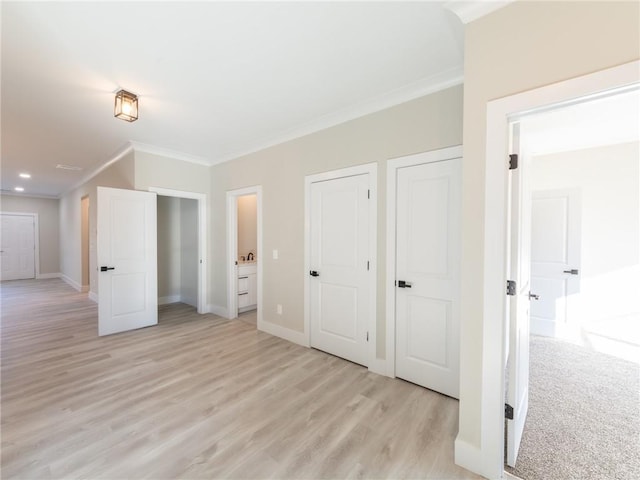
(71, 282)
(28, 195)
(169, 299)
(203, 227)
(373, 363)
(93, 296)
(232, 252)
(420, 88)
(469, 10)
(120, 154)
(496, 203)
(218, 310)
(45, 276)
(286, 333)
(167, 152)
(393, 166)
(36, 239)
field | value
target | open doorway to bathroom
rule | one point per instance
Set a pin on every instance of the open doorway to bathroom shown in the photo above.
(244, 250)
(247, 248)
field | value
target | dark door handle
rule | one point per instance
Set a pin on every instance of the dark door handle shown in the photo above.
(313, 273)
(403, 284)
(104, 269)
(573, 271)
(533, 296)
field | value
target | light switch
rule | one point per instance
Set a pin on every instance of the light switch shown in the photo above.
(275, 254)
(279, 309)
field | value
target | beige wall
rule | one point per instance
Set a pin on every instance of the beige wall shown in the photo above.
(163, 172)
(520, 47)
(118, 175)
(47, 210)
(424, 124)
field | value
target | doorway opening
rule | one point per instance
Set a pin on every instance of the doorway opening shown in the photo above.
(584, 183)
(244, 255)
(181, 239)
(487, 456)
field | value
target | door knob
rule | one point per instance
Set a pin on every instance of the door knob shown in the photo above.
(403, 284)
(104, 269)
(534, 296)
(573, 271)
(313, 273)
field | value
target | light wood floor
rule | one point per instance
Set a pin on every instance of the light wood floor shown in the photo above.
(199, 397)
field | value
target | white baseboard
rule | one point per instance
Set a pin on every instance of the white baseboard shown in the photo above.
(379, 366)
(169, 299)
(217, 310)
(43, 276)
(471, 457)
(71, 282)
(93, 296)
(286, 333)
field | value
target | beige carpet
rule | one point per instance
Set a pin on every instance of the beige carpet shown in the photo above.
(584, 415)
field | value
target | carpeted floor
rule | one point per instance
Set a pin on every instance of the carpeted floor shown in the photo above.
(584, 415)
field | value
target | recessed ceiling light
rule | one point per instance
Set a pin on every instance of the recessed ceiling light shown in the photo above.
(68, 167)
(19, 189)
(25, 175)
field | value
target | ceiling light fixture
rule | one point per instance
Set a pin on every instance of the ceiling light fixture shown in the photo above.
(25, 175)
(126, 106)
(19, 189)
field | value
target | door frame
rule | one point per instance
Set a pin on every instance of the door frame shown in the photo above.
(36, 240)
(232, 251)
(487, 457)
(393, 166)
(201, 198)
(371, 169)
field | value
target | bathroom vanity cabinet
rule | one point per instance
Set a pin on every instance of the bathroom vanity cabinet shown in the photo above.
(247, 287)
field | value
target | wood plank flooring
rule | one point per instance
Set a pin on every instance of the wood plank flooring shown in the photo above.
(199, 397)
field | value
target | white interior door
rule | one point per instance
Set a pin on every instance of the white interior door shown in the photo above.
(127, 260)
(518, 306)
(555, 258)
(339, 255)
(17, 247)
(427, 275)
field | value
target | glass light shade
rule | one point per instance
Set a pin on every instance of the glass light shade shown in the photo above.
(126, 106)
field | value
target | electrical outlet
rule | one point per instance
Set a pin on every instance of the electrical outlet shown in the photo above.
(279, 309)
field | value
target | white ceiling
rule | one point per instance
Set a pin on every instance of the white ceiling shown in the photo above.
(215, 79)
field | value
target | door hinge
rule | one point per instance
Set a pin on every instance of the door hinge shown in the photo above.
(367, 265)
(513, 161)
(508, 411)
(368, 193)
(511, 287)
(367, 336)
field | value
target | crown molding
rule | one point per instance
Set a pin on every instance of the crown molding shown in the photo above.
(166, 152)
(423, 87)
(469, 10)
(118, 156)
(11, 193)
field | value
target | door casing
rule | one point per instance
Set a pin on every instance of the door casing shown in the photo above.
(486, 455)
(232, 252)
(36, 240)
(201, 198)
(392, 169)
(374, 365)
